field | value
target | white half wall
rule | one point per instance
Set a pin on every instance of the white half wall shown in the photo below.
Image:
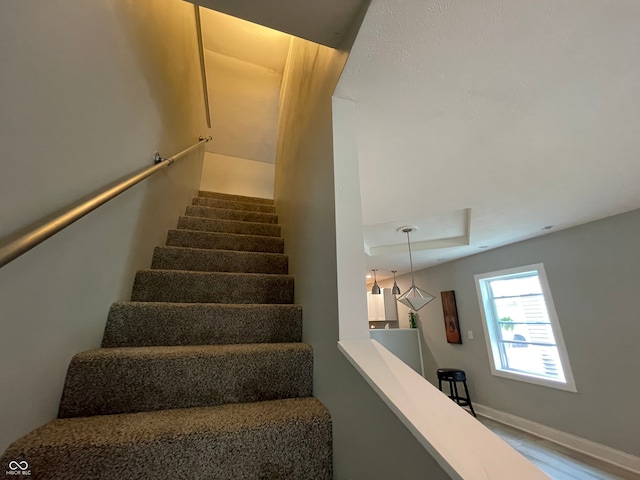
(463, 448)
(363, 426)
(237, 176)
(352, 297)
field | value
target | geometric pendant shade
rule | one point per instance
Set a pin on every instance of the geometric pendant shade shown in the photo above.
(414, 298)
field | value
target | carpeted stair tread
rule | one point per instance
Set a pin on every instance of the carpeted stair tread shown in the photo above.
(229, 226)
(211, 287)
(235, 198)
(126, 380)
(224, 241)
(232, 205)
(203, 374)
(281, 439)
(226, 214)
(132, 324)
(207, 260)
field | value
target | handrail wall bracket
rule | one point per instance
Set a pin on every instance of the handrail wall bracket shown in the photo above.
(157, 158)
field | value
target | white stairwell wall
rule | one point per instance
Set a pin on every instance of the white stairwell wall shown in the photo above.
(88, 92)
(369, 440)
(244, 65)
(237, 176)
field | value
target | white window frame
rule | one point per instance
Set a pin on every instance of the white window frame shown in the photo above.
(491, 335)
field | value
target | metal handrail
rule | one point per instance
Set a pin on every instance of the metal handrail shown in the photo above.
(47, 228)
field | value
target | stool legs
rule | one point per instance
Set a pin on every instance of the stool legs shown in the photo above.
(466, 392)
(454, 392)
(455, 396)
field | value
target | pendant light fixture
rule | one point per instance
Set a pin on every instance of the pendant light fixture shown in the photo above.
(414, 298)
(396, 289)
(375, 290)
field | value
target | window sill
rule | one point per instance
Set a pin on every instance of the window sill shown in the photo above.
(544, 382)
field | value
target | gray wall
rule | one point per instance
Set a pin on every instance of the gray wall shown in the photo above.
(369, 441)
(594, 276)
(88, 92)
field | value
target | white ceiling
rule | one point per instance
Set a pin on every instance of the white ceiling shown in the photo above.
(526, 113)
(324, 22)
(244, 41)
(510, 115)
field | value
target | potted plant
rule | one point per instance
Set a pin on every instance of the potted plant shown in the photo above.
(412, 319)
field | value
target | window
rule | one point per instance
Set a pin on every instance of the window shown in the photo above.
(521, 327)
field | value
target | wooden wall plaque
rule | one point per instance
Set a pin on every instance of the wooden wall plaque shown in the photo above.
(450, 311)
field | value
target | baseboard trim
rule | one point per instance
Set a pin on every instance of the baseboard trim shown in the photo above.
(581, 445)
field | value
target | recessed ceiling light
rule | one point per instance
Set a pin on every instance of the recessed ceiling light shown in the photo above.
(547, 227)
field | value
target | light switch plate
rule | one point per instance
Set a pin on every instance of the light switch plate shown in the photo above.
(469, 334)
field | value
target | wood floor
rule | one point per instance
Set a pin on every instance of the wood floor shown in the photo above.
(558, 462)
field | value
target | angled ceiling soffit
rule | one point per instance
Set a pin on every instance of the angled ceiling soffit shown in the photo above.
(445, 230)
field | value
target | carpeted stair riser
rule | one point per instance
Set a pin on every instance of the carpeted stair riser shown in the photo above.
(140, 324)
(235, 198)
(205, 287)
(225, 214)
(179, 258)
(229, 226)
(231, 205)
(283, 439)
(224, 241)
(127, 380)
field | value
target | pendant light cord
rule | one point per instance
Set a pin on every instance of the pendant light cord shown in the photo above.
(413, 281)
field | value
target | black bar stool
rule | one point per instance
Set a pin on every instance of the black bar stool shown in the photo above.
(454, 375)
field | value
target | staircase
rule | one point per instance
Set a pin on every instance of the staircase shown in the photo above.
(202, 375)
